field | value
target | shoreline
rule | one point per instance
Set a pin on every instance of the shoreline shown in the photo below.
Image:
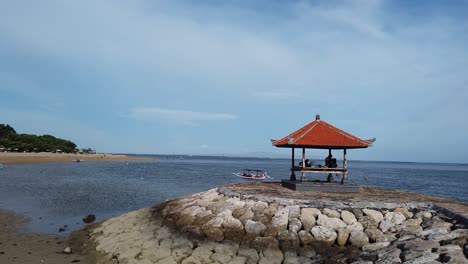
(17, 245)
(11, 158)
(186, 227)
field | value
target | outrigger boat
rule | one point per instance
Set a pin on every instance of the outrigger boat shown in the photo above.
(253, 174)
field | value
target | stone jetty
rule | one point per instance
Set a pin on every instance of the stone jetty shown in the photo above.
(232, 225)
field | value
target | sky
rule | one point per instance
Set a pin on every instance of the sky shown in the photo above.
(225, 77)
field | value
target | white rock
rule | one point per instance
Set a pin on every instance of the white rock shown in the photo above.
(271, 256)
(355, 226)
(333, 223)
(254, 228)
(67, 250)
(295, 225)
(294, 211)
(331, 213)
(348, 217)
(395, 218)
(358, 238)
(324, 234)
(376, 215)
(375, 246)
(308, 218)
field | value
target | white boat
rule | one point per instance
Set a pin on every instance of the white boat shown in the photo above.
(253, 174)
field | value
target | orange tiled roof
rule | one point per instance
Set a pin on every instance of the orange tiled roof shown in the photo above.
(320, 134)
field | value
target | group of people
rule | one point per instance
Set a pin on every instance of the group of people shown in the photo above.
(330, 162)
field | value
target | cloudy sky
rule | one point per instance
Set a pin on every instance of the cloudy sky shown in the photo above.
(197, 77)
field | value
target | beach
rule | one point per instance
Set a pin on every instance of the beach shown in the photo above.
(47, 157)
(19, 246)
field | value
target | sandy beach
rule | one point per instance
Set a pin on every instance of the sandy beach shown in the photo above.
(45, 157)
(19, 246)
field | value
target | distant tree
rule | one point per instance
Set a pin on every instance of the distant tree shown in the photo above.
(27, 142)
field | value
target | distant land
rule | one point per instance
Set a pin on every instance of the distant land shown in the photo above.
(11, 141)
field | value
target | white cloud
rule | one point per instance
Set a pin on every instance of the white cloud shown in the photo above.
(178, 116)
(204, 146)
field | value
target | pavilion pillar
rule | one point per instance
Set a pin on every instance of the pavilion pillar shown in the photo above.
(303, 165)
(345, 165)
(293, 175)
(329, 152)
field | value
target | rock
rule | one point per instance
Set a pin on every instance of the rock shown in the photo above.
(420, 245)
(288, 240)
(453, 257)
(294, 225)
(374, 234)
(271, 256)
(424, 258)
(203, 254)
(294, 211)
(250, 253)
(248, 215)
(258, 207)
(253, 228)
(423, 215)
(261, 243)
(362, 262)
(404, 211)
(324, 234)
(348, 217)
(450, 236)
(355, 226)
(89, 218)
(333, 223)
(67, 250)
(213, 229)
(225, 251)
(375, 246)
(449, 249)
(395, 218)
(331, 213)
(358, 238)
(280, 220)
(308, 218)
(357, 212)
(233, 229)
(376, 215)
(305, 237)
(390, 252)
(307, 251)
(238, 212)
(343, 235)
(367, 221)
(386, 225)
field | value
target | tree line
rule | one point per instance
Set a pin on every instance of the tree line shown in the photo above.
(28, 142)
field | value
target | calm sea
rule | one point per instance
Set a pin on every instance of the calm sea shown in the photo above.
(54, 195)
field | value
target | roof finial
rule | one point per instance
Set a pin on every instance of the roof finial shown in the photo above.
(317, 117)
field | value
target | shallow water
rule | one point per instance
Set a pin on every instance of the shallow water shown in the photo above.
(54, 195)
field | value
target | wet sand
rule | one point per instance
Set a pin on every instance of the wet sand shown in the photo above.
(44, 157)
(19, 246)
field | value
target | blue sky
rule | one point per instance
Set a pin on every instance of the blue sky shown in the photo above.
(224, 78)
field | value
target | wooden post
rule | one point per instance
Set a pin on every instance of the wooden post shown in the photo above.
(329, 152)
(293, 175)
(345, 164)
(303, 165)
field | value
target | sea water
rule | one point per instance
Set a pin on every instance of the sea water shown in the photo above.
(58, 194)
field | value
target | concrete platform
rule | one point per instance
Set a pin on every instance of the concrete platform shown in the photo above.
(320, 186)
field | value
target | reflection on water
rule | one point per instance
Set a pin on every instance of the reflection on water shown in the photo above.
(60, 194)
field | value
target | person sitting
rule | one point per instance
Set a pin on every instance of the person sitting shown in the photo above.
(306, 164)
(330, 162)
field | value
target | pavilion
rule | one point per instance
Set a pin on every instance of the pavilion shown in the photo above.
(319, 135)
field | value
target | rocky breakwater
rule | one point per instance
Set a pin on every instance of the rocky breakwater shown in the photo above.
(214, 227)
